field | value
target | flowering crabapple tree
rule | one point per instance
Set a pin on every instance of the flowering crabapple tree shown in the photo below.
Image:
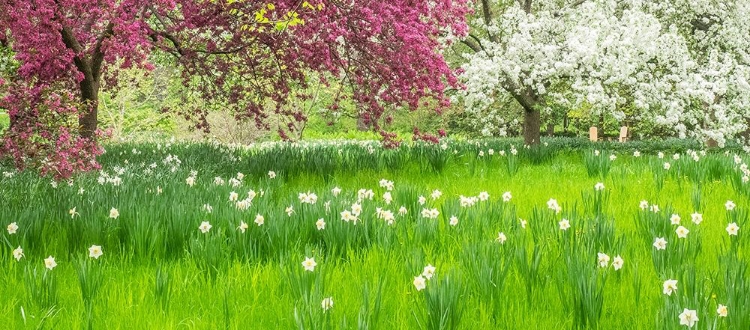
(680, 64)
(250, 57)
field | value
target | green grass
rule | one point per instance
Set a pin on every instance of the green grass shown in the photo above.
(158, 270)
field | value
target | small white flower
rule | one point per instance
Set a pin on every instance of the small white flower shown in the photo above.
(669, 287)
(730, 205)
(419, 283)
(356, 209)
(564, 224)
(320, 224)
(271, 174)
(422, 200)
(523, 223)
(660, 155)
(428, 271)
(73, 212)
(602, 259)
(113, 213)
(688, 316)
(682, 232)
(612, 157)
(501, 238)
(18, 253)
(95, 251)
(402, 211)
(697, 218)
(336, 191)
(242, 227)
(507, 196)
(654, 208)
(552, 205)
(190, 181)
(50, 263)
(636, 153)
(617, 263)
(289, 210)
(667, 166)
(327, 304)
(309, 264)
(722, 311)
(259, 220)
(660, 243)
(204, 227)
(233, 196)
(644, 205)
(484, 196)
(387, 198)
(599, 186)
(732, 229)
(676, 156)
(675, 219)
(453, 221)
(436, 194)
(12, 228)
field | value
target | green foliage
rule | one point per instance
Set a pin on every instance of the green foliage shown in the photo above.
(157, 262)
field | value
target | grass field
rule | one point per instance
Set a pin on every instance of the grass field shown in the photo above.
(213, 236)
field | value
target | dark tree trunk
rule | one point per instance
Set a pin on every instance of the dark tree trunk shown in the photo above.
(550, 129)
(532, 123)
(88, 120)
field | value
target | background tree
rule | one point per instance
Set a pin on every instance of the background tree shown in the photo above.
(247, 56)
(609, 57)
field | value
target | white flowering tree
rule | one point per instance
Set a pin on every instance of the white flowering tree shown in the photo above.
(680, 64)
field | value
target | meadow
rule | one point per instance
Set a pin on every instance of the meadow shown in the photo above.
(346, 234)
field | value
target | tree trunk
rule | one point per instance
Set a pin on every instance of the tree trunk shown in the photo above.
(90, 96)
(532, 122)
(362, 125)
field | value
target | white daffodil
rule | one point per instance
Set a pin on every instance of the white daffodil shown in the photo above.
(95, 251)
(602, 259)
(732, 229)
(259, 220)
(420, 283)
(682, 232)
(50, 263)
(309, 264)
(660, 243)
(428, 271)
(564, 224)
(507, 196)
(501, 238)
(617, 263)
(327, 304)
(12, 228)
(722, 311)
(205, 227)
(697, 218)
(669, 287)
(688, 317)
(18, 253)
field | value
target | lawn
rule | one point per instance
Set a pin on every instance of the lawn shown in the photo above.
(205, 236)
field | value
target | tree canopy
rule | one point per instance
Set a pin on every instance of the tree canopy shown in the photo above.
(680, 64)
(247, 56)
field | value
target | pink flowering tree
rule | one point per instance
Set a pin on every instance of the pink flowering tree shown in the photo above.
(246, 56)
